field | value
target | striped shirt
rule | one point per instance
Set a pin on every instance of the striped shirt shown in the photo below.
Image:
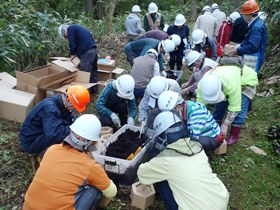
(200, 121)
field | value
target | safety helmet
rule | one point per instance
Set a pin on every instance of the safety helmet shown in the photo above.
(206, 9)
(211, 89)
(234, 16)
(168, 45)
(192, 57)
(168, 100)
(78, 96)
(157, 85)
(262, 15)
(62, 29)
(87, 126)
(176, 39)
(198, 36)
(249, 7)
(153, 8)
(215, 6)
(179, 20)
(125, 85)
(152, 51)
(163, 121)
(135, 8)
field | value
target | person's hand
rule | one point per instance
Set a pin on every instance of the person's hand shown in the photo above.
(224, 129)
(130, 121)
(115, 119)
(184, 85)
(185, 91)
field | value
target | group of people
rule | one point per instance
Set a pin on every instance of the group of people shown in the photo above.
(184, 130)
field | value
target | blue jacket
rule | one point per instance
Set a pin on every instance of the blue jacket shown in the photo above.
(80, 40)
(182, 32)
(109, 98)
(47, 123)
(141, 46)
(255, 40)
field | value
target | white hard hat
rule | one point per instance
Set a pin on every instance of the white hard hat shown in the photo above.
(152, 51)
(215, 6)
(179, 20)
(192, 57)
(163, 121)
(234, 16)
(197, 36)
(152, 7)
(87, 126)
(262, 15)
(157, 85)
(168, 100)
(135, 8)
(206, 9)
(62, 29)
(125, 85)
(168, 45)
(176, 39)
(211, 89)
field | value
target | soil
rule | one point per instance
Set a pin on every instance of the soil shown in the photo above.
(127, 143)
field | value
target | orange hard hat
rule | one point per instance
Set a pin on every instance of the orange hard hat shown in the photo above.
(78, 96)
(249, 7)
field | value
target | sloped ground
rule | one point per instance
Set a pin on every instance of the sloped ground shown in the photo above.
(252, 179)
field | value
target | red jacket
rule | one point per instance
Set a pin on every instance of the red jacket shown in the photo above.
(224, 32)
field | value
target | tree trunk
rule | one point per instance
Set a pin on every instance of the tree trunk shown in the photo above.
(194, 10)
(89, 7)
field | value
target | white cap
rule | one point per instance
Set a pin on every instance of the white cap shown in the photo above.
(136, 8)
(152, 7)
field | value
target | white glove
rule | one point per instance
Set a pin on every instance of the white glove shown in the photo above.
(115, 119)
(163, 73)
(224, 129)
(130, 121)
(185, 41)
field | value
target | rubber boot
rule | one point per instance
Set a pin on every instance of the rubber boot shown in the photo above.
(234, 134)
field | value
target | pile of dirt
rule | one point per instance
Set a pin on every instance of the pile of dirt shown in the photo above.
(127, 143)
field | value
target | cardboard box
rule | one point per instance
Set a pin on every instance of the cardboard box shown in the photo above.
(222, 149)
(60, 86)
(229, 48)
(15, 104)
(67, 64)
(39, 94)
(125, 171)
(7, 80)
(42, 75)
(142, 196)
(108, 65)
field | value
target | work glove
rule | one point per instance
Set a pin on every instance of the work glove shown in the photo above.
(115, 119)
(224, 129)
(163, 73)
(130, 121)
(185, 41)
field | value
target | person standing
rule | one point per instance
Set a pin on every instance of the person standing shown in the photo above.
(219, 15)
(82, 45)
(143, 70)
(180, 170)
(67, 177)
(206, 22)
(116, 104)
(133, 24)
(223, 37)
(153, 20)
(181, 29)
(256, 39)
(48, 122)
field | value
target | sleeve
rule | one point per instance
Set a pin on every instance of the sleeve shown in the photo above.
(98, 177)
(219, 36)
(214, 49)
(160, 61)
(132, 108)
(54, 128)
(146, 24)
(196, 122)
(100, 104)
(71, 35)
(143, 107)
(253, 43)
(139, 26)
(161, 27)
(156, 69)
(156, 170)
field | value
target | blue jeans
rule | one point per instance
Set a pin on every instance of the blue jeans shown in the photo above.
(221, 108)
(166, 195)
